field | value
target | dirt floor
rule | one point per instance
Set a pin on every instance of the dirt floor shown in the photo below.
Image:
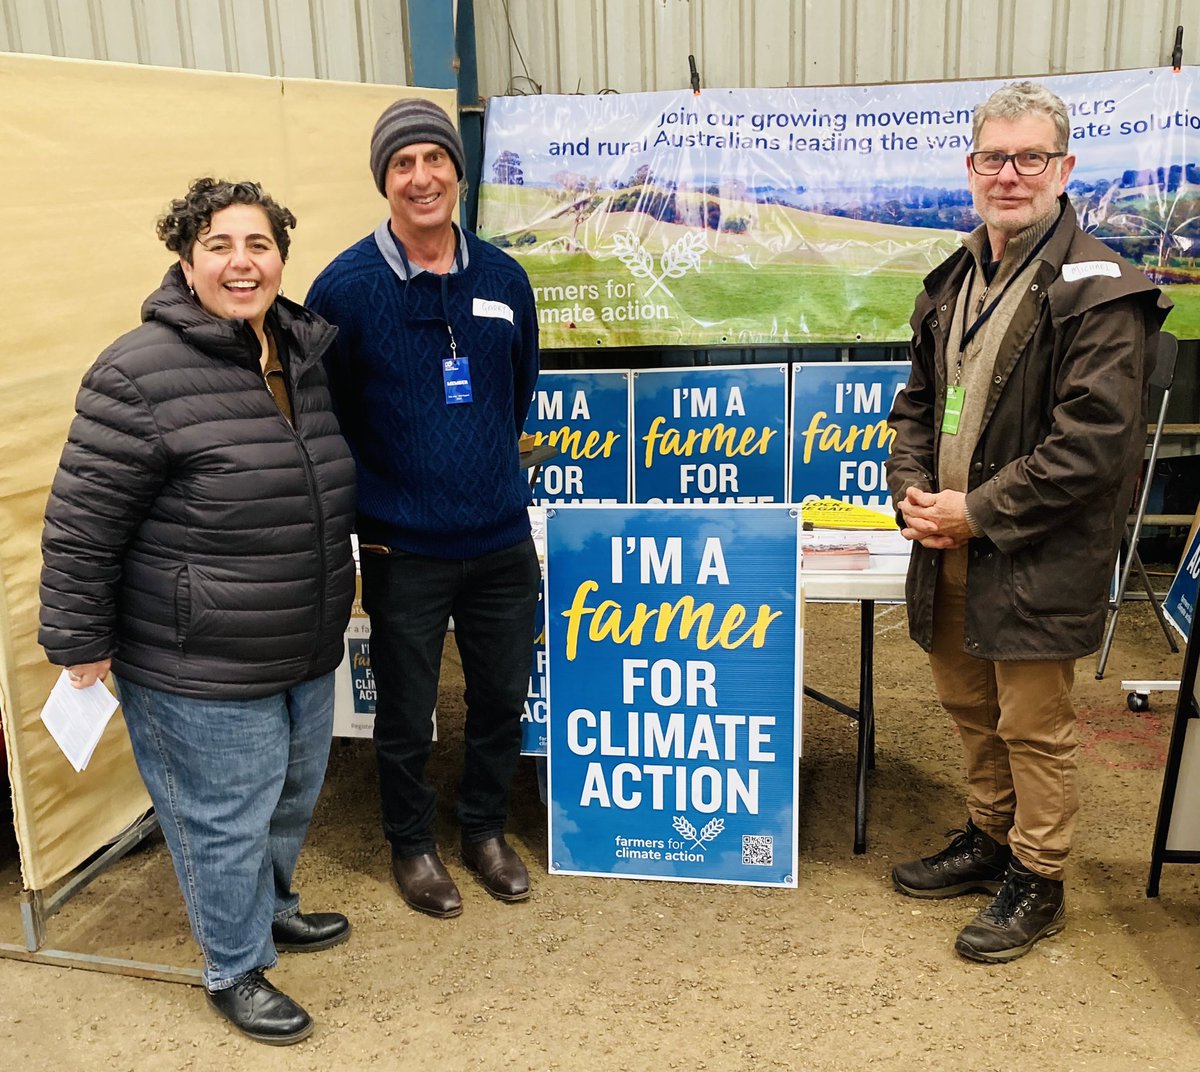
(841, 973)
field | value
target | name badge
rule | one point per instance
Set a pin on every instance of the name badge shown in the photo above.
(456, 375)
(1084, 269)
(495, 309)
(952, 414)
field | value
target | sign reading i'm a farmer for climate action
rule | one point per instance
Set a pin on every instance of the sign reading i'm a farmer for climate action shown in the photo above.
(840, 434)
(675, 676)
(585, 416)
(710, 435)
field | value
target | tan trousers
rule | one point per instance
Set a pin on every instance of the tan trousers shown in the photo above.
(1018, 732)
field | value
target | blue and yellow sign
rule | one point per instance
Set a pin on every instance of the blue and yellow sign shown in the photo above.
(840, 435)
(674, 681)
(586, 416)
(1180, 602)
(710, 435)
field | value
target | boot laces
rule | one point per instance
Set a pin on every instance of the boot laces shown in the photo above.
(961, 845)
(1016, 897)
(250, 982)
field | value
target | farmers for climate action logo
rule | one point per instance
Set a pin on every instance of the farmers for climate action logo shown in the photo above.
(676, 261)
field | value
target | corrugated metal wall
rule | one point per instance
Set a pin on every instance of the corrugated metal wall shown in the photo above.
(587, 46)
(571, 46)
(348, 40)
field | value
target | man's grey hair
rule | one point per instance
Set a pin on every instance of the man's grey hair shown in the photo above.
(1019, 98)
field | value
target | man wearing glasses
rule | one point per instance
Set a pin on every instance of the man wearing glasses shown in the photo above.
(1018, 438)
(432, 374)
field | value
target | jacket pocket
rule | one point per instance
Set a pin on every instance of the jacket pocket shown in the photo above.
(183, 605)
(1060, 576)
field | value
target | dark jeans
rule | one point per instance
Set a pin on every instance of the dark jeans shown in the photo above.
(410, 600)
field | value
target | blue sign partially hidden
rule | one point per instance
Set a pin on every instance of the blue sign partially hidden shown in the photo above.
(1180, 603)
(362, 680)
(840, 437)
(710, 435)
(534, 717)
(586, 416)
(674, 679)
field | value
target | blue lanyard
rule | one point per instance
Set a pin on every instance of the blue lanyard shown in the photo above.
(973, 330)
(444, 286)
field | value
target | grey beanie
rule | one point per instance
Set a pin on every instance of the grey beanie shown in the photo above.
(410, 121)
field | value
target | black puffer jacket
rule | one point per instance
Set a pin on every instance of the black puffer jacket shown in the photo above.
(191, 534)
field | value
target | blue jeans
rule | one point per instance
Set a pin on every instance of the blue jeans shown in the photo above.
(410, 600)
(234, 783)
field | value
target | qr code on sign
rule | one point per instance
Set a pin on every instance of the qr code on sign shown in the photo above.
(758, 849)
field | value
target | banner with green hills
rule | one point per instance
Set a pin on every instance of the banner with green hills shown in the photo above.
(807, 215)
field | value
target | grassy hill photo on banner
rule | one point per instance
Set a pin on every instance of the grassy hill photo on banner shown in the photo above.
(806, 215)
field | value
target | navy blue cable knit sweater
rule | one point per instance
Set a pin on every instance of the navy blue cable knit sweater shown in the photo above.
(433, 479)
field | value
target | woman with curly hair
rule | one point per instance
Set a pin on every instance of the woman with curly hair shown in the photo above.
(197, 543)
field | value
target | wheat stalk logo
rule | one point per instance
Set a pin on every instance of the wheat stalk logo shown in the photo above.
(678, 259)
(708, 832)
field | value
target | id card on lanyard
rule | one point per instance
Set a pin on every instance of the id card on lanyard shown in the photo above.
(456, 375)
(955, 396)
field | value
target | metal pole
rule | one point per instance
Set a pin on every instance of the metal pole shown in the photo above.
(470, 110)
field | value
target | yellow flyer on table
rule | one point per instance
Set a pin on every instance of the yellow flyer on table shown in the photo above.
(835, 514)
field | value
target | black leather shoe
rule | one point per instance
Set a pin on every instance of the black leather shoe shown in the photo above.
(261, 1012)
(499, 868)
(308, 932)
(973, 861)
(1027, 909)
(426, 885)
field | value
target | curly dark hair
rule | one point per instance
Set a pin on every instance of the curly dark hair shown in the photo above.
(191, 215)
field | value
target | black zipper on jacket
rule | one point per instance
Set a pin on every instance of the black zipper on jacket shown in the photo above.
(314, 494)
(293, 374)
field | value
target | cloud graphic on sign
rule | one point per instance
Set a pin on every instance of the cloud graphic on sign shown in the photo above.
(574, 533)
(561, 824)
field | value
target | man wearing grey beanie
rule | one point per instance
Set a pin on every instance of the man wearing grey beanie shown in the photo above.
(432, 375)
(408, 122)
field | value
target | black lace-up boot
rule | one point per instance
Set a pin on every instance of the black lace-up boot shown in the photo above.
(1027, 909)
(973, 861)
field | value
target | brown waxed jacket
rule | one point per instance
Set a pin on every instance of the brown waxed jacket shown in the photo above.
(1063, 432)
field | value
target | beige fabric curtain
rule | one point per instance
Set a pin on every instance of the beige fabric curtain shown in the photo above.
(92, 153)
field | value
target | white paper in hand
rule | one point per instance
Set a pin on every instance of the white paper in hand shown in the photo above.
(76, 718)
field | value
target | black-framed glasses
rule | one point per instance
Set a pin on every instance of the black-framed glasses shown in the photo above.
(1029, 162)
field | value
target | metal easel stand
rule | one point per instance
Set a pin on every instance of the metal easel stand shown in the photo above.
(1162, 377)
(37, 906)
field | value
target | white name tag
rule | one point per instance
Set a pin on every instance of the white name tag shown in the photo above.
(1083, 269)
(496, 309)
